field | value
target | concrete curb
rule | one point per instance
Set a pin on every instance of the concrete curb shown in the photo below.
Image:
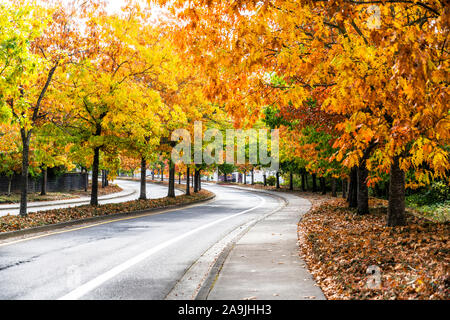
(112, 217)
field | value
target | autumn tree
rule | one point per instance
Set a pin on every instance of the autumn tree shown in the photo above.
(382, 68)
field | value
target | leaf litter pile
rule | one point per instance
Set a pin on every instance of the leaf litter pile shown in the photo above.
(42, 218)
(340, 247)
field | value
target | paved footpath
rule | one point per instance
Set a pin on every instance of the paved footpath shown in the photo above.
(265, 263)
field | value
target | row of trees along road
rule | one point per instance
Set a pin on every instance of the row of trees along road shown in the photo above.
(83, 88)
(368, 78)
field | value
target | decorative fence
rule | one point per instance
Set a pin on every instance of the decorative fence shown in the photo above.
(63, 183)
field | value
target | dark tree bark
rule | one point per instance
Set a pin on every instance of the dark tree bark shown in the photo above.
(9, 184)
(353, 188)
(188, 185)
(245, 177)
(253, 177)
(314, 182)
(153, 175)
(44, 182)
(179, 178)
(171, 193)
(333, 188)
(225, 178)
(363, 190)
(95, 170)
(278, 180)
(143, 195)
(86, 180)
(162, 174)
(304, 182)
(196, 186)
(265, 179)
(396, 211)
(323, 185)
(25, 164)
(199, 180)
(103, 179)
(291, 181)
(344, 189)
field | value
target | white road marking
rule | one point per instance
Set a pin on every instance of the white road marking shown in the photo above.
(98, 281)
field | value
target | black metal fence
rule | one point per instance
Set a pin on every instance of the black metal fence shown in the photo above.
(62, 183)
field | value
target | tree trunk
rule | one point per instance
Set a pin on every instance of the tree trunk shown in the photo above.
(199, 180)
(162, 175)
(95, 169)
(196, 187)
(188, 186)
(245, 177)
(344, 189)
(9, 185)
(103, 178)
(179, 178)
(314, 181)
(253, 177)
(143, 195)
(153, 175)
(278, 180)
(291, 182)
(265, 179)
(396, 211)
(86, 180)
(25, 164)
(323, 185)
(363, 191)
(171, 193)
(44, 182)
(225, 178)
(303, 182)
(333, 188)
(353, 188)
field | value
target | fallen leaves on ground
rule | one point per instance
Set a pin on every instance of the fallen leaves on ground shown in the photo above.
(102, 191)
(15, 223)
(340, 246)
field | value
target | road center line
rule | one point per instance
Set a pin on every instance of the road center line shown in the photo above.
(98, 281)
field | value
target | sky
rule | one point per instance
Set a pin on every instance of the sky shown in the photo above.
(115, 5)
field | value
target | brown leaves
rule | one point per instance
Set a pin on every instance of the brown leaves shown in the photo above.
(340, 247)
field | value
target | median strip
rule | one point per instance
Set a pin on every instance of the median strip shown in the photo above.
(13, 226)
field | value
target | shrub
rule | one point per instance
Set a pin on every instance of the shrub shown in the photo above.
(271, 181)
(438, 192)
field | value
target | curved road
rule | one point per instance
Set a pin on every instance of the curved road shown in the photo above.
(137, 258)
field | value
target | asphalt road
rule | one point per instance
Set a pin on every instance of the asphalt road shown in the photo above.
(141, 258)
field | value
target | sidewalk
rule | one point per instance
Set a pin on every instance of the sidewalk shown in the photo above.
(265, 263)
